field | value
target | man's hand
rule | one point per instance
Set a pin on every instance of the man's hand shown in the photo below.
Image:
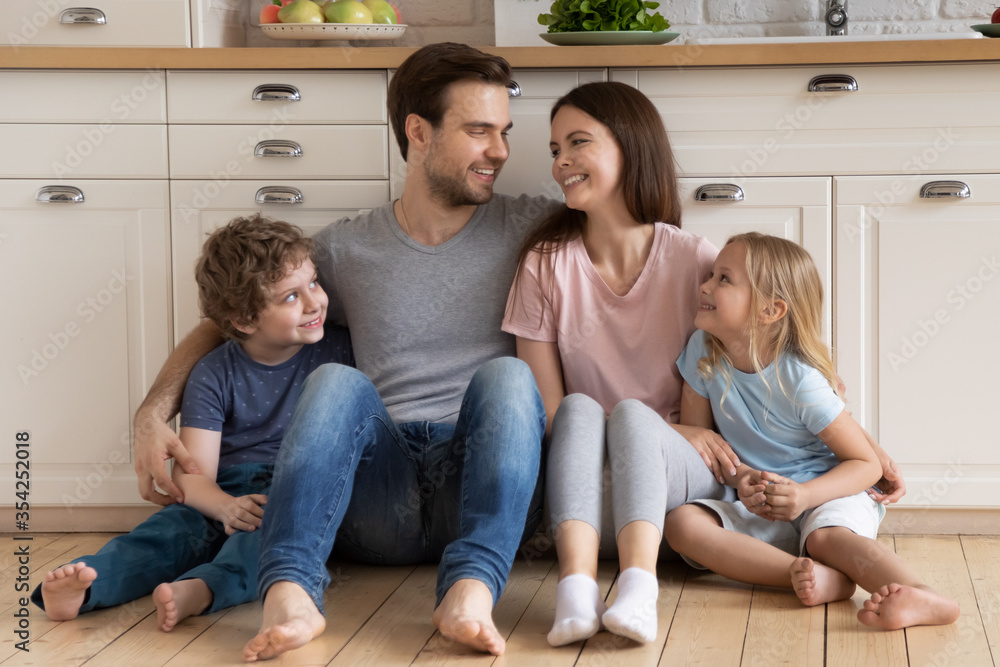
(155, 442)
(785, 498)
(243, 513)
(713, 449)
(891, 487)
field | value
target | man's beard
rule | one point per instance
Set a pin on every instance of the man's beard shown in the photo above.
(453, 191)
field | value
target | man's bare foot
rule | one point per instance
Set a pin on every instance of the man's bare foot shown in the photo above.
(64, 589)
(465, 615)
(291, 620)
(175, 602)
(897, 606)
(816, 583)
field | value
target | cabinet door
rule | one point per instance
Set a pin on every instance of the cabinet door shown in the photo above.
(918, 310)
(86, 330)
(200, 207)
(797, 209)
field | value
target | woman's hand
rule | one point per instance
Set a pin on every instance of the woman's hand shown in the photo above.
(713, 449)
(891, 487)
(243, 513)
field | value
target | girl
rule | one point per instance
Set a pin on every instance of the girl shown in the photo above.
(760, 370)
(604, 300)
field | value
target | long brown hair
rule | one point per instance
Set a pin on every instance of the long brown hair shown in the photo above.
(649, 175)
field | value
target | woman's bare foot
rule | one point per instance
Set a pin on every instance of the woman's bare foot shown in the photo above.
(291, 620)
(816, 583)
(465, 615)
(897, 606)
(64, 589)
(175, 602)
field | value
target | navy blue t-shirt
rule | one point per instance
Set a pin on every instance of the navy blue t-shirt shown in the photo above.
(251, 403)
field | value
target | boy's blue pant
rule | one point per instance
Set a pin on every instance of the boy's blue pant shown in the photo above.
(178, 543)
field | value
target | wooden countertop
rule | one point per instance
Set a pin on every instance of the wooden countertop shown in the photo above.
(379, 57)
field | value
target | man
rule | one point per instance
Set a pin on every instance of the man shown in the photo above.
(432, 451)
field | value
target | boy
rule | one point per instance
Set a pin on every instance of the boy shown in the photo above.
(257, 282)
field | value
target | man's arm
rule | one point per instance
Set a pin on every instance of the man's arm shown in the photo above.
(155, 442)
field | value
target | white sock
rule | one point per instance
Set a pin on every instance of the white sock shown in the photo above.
(578, 610)
(633, 614)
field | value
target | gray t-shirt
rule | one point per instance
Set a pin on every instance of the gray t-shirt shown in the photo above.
(422, 318)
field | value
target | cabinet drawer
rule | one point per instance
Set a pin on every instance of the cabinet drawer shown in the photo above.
(83, 151)
(758, 121)
(82, 97)
(148, 23)
(206, 151)
(269, 97)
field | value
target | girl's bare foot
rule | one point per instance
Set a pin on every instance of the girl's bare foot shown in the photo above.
(465, 615)
(291, 620)
(898, 606)
(175, 602)
(816, 583)
(64, 589)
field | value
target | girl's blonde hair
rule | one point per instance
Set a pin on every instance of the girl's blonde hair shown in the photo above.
(778, 270)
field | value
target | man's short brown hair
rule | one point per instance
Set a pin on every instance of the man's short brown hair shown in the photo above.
(239, 265)
(420, 85)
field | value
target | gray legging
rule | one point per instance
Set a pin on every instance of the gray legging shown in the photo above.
(653, 469)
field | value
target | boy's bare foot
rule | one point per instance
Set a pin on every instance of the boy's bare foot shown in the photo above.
(816, 583)
(897, 606)
(465, 615)
(291, 620)
(175, 602)
(64, 589)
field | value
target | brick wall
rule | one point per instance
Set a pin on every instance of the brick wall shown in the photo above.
(472, 21)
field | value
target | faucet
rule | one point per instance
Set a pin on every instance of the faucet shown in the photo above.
(836, 18)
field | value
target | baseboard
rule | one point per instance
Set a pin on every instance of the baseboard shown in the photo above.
(123, 518)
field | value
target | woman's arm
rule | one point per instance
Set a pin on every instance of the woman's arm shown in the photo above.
(155, 442)
(203, 494)
(890, 487)
(543, 360)
(858, 469)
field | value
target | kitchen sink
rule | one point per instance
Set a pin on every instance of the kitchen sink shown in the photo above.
(794, 39)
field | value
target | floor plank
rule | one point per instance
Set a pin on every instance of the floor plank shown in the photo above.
(781, 631)
(940, 562)
(848, 642)
(710, 623)
(982, 553)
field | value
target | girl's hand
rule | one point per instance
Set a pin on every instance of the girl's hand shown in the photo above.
(750, 491)
(785, 498)
(243, 513)
(713, 449)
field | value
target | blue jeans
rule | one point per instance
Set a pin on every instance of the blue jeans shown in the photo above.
(466, 494)
(177, 543)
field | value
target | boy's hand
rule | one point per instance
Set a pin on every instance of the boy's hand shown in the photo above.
(785, 498)
(243, 513)
(713, 449)
(155, 442)
(750, 490)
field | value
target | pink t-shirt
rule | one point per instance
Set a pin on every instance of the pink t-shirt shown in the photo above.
(616, 347)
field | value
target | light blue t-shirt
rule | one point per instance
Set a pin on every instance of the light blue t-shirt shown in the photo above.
(768, 430)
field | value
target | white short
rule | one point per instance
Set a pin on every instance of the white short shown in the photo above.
(858, 513)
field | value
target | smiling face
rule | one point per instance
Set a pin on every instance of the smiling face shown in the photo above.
(293, 317)
(469, 146)
(586, 160)
(726, 297)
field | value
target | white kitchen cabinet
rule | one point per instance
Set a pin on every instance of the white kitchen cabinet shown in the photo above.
(200, 207)
(918, 298)
(86, 330)
(148, 23)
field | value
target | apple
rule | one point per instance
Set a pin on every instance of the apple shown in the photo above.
(399, 19)
(269, 14)
(301, 11)
(996, 16)
(382, 11)
(348, 11)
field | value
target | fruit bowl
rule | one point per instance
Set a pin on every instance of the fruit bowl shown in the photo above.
(358, 31)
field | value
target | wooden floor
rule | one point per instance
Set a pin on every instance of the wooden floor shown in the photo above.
(381, 617)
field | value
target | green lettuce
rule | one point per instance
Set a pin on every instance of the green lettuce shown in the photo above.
(586, 15)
